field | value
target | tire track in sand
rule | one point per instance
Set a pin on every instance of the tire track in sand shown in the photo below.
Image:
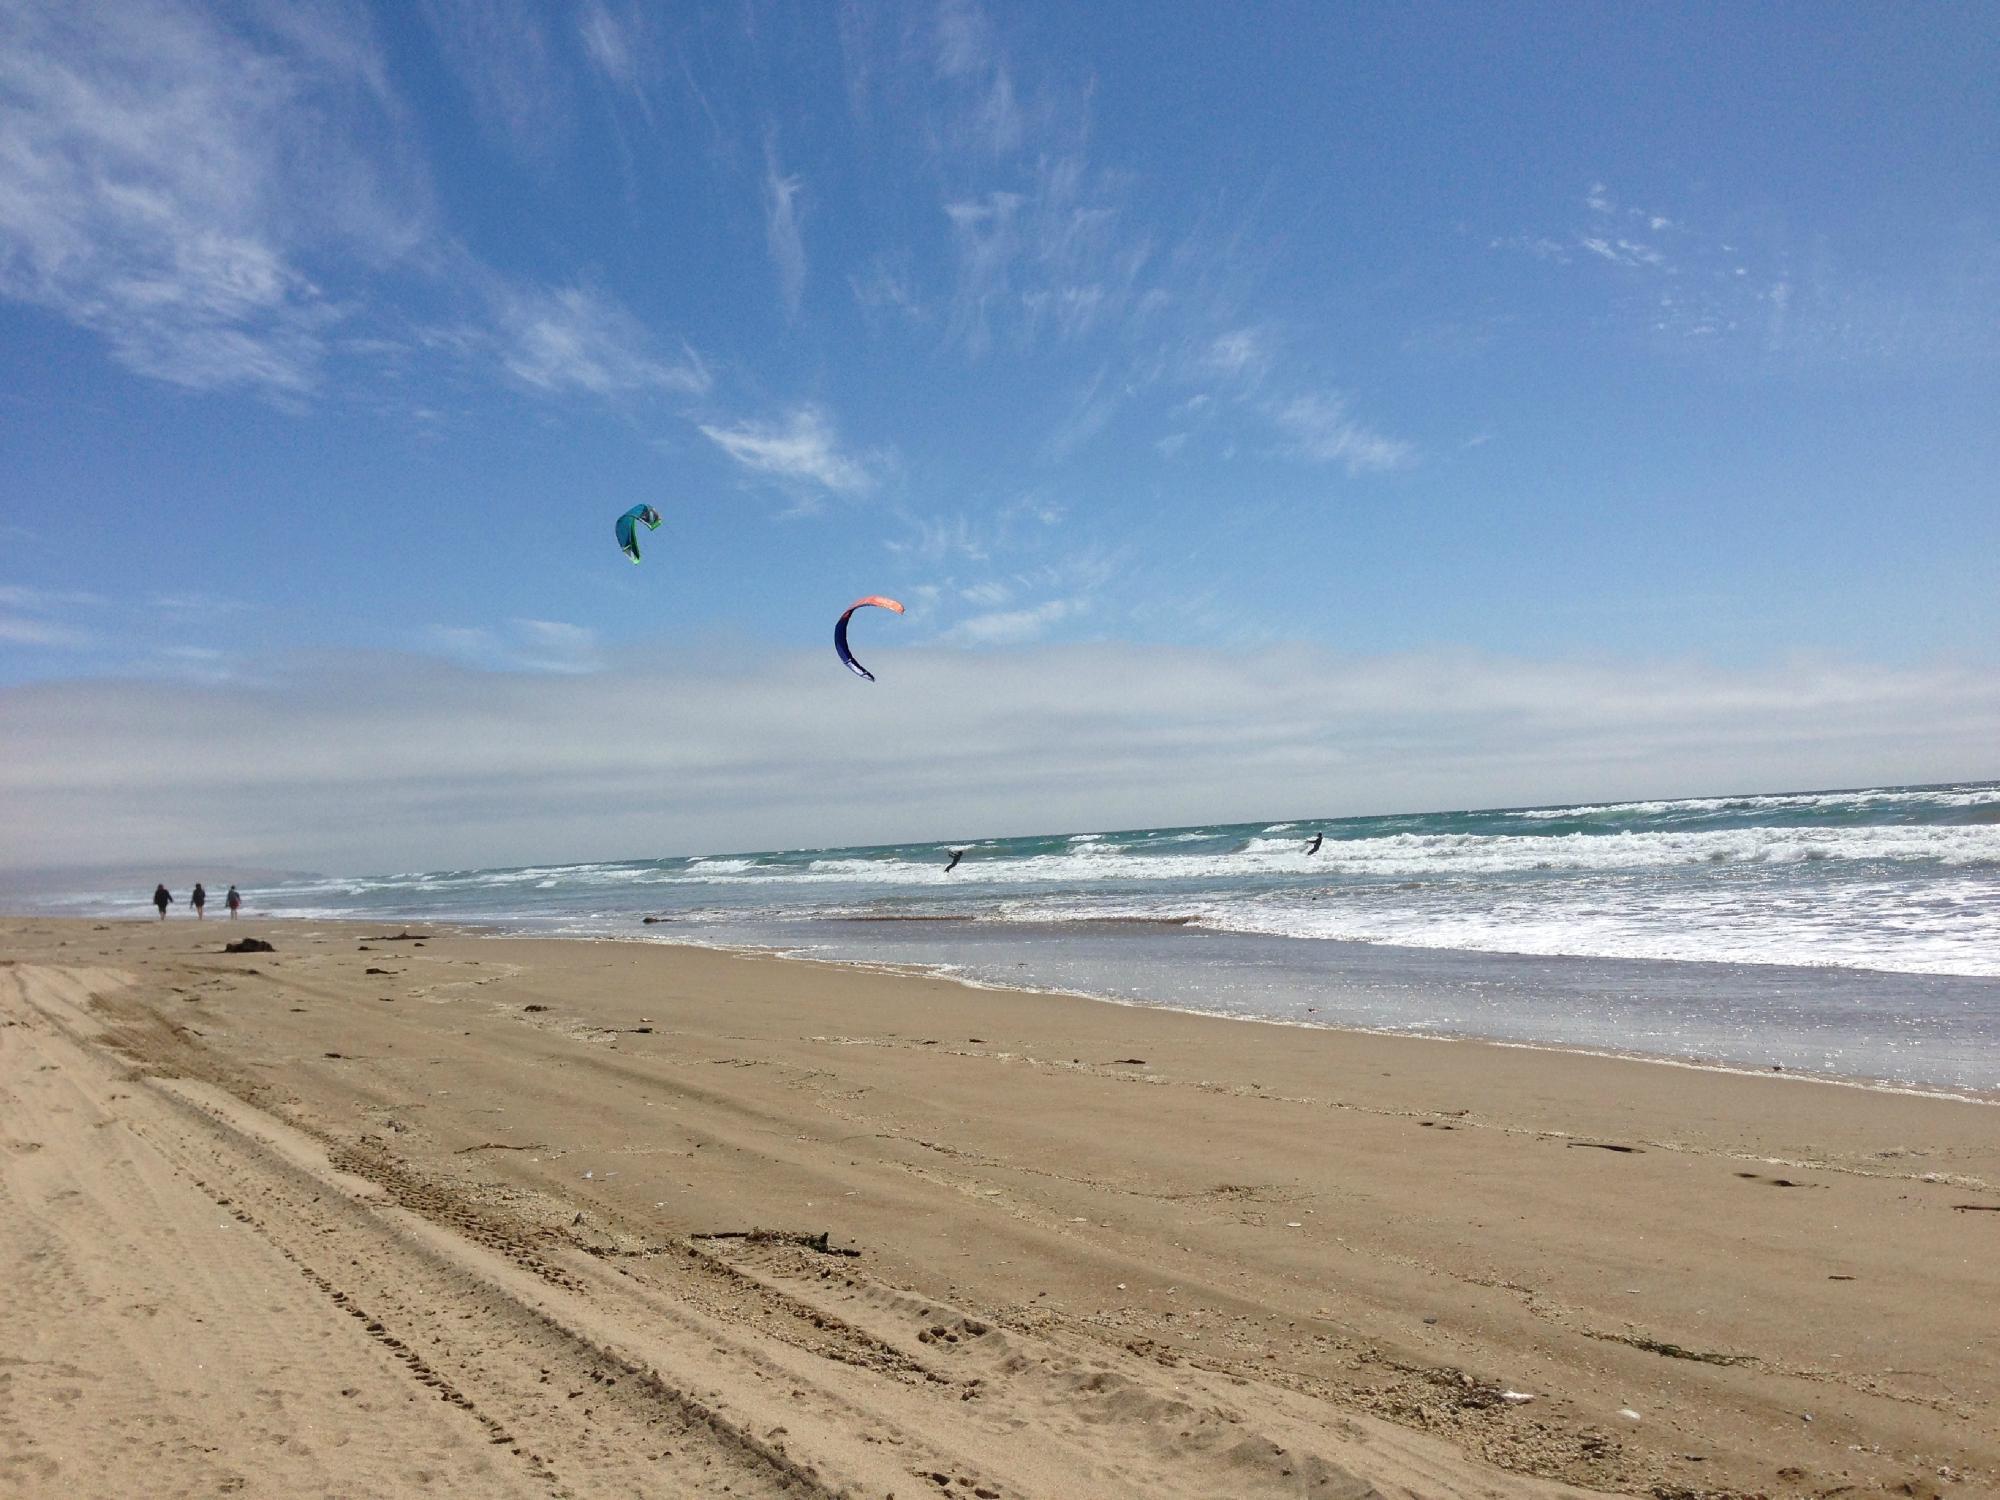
(632, 1367)
(508, 1380)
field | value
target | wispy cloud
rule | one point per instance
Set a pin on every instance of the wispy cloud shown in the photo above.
(1241, 354)
(78, 619)
(1623, 252)
(1038, 597)
(888, 285)
(81, 620)
(781, 228)
(35, 600)
(503, 57)
(1681, 283)
(968, 56)
(803, 447)
(1050, 247)
(964, 39)
(1598, 200)
(1089, 412)
(1540, 246)
(1044, 247)
(222, 193)
(1021, 525)
(575, 339)
(522, 645)
(43, 617)
(1609, 233)
(555, 646)
(19, 630)
(195, 602)
(1323, 430)
(935, 538)
(617, 39)
(1014, 627)
(987, 245)
(162, 175)
(1050, 263)
(205, 664)
(1051, 251)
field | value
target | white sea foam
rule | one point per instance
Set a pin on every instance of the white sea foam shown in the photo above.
(1950, 927)
(1968, 795)
(1404, 856)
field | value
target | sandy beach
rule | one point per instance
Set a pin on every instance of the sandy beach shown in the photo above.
(385, 1214)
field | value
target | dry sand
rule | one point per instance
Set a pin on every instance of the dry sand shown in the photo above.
(367, 1217)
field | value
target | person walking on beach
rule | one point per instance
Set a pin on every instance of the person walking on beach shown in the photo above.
(199, 899)
(232, 901)
(161, 897)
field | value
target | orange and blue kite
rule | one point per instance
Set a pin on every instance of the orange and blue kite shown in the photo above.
(840, 632)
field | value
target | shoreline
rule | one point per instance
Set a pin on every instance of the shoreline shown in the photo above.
(947, 973)
(1195, 924)
(1347, 1246)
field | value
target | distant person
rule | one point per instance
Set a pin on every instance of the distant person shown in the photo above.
(1313, 847)
(956, 856)
(198, 900)
(162, 898)
(233, 901)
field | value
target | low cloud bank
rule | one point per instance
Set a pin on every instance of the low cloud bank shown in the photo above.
(389, 763)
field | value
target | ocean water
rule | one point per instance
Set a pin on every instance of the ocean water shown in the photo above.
(1853, 933)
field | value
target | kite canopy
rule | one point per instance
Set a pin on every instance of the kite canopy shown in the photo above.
(840, 632)
(628, 528)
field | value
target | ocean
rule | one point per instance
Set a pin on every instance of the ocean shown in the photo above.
(1846, 933)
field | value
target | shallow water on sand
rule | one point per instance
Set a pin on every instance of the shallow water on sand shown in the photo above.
(1917, 1030)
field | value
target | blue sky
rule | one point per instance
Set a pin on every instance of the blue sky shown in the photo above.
(1590, 346)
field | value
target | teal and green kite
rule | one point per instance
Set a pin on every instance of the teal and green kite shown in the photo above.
(628, 528)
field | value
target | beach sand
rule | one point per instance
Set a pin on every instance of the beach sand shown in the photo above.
(364, 1216)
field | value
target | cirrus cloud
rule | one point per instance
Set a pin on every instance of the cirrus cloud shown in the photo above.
(800, 447)
(166, 180)
(1323, 430)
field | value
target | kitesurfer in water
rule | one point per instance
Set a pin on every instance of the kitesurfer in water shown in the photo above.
(1313, 847)
(956, 856)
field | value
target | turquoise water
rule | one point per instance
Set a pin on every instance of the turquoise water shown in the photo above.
(1845, 932)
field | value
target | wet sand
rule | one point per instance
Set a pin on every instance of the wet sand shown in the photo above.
(484, 1216)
